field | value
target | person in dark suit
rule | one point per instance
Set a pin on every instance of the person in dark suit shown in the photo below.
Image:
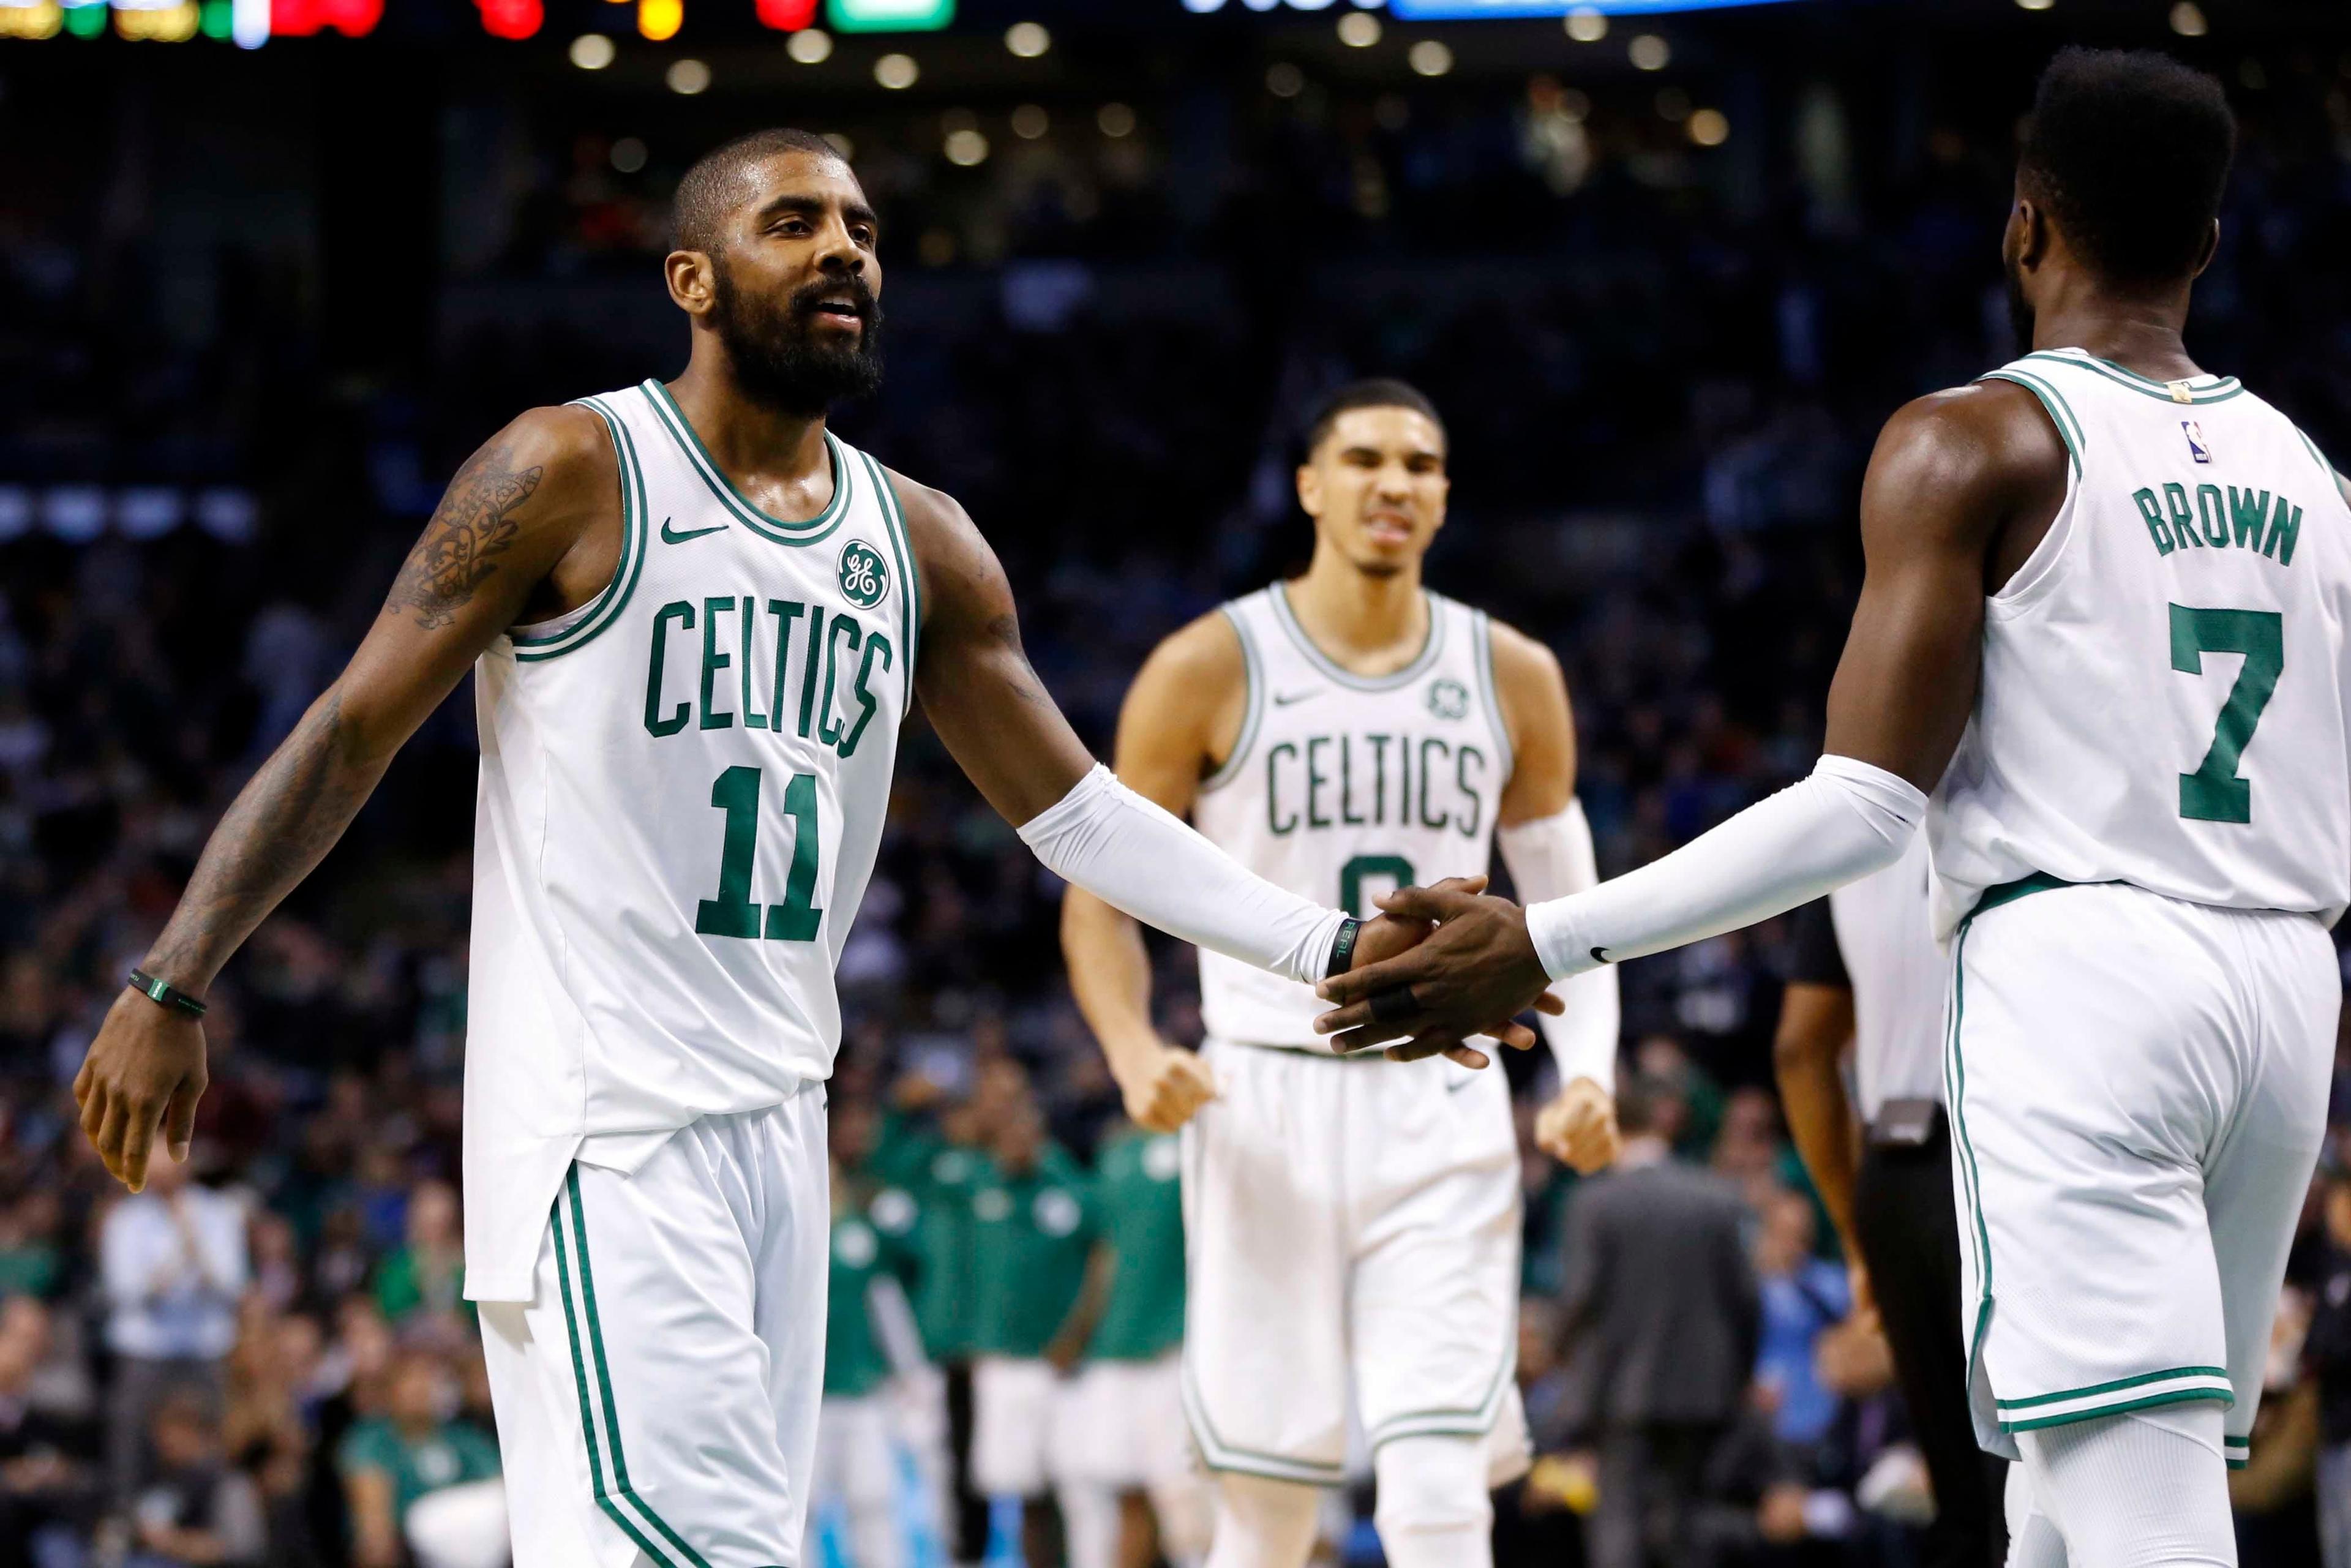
(1661, 1317)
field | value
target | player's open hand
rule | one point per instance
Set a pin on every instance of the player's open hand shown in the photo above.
(1476, 967)
(145, 1069)
(1170, 1087)
(1393, 932)
(1578, 1129)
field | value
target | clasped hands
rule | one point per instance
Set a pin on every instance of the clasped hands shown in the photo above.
(1444, 964)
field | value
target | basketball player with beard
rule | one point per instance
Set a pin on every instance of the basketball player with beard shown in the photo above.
(696, 619)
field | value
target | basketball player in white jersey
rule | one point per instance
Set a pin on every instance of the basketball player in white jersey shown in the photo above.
(2104, 621)
(696, 619)
(1347, 734)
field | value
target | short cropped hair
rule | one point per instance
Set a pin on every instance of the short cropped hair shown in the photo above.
(709, 195)
(2130, 152)
(1380, 391)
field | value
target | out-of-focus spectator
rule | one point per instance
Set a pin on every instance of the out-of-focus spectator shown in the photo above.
(1803, 1295)
(30, 1263)
(172, 1263)
(197, 1511)
(1661, 1318)
(415, 1452)
(2326, 1352)
(47, 1481)
(426, 1273)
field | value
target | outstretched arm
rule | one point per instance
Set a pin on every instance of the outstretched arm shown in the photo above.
(1182, 712)
(513, 513)
(1958, 486)
(1003, 729)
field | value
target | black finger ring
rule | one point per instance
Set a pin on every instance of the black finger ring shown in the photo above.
(1394, 1005)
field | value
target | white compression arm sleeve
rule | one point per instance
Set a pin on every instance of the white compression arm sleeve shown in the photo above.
(1550, 858)
(1135, 856)
(1843, 822)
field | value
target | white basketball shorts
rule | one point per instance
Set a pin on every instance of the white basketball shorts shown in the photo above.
(2139, 1092)
(657, 1396)
(1121, 1425)
(1349, 1222)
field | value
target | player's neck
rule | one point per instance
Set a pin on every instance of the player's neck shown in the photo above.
(746, 439)
(2139, 332)
(1368, 624)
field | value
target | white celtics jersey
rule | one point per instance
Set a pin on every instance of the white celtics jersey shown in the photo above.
(2163, 690)
(1343, 787)
(683, 787)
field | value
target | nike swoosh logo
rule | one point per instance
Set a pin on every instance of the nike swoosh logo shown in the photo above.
(1600, 955)
(1284, 699)
(671, 536)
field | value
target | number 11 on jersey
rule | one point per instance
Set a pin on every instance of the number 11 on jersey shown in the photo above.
(732, 912)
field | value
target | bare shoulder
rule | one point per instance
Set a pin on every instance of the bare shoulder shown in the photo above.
(1991, 437)
(513, 511)
(933, 516)
(1205, 655)
(1523, 663)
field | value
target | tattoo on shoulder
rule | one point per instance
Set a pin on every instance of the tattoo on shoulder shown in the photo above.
(474, 525)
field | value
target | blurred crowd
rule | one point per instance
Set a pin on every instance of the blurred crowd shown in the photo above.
(1661, 375)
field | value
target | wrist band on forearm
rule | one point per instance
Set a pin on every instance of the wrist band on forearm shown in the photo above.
(1342, 948)
(164, 993)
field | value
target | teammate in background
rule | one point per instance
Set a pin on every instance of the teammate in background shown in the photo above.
(924, 1211)
(1032, 1237)
(1345, 735)
(2104, 620)
(1867, 976)
(856, 1452)
(696, 621)
(1122, 1422)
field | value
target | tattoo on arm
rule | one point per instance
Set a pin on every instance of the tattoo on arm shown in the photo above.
(474, 525)
(281, 825)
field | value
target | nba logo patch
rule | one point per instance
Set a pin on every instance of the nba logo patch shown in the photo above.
(2196, 447)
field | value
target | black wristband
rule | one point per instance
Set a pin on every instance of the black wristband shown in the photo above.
(1343, 951)
(164, 993)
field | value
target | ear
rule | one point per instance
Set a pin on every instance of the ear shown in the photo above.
(2032, 221)
(692, 287)
(1309, 489)
(2211, 249)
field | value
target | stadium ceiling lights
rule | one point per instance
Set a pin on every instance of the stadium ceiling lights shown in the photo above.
(888, 15)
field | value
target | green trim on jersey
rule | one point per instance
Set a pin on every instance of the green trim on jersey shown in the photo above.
(2221, 389)
(2332, 474)
(609, 1497)
(1955, 1090)
(780, 530)
(1218, 1455)
(606, 607)
(1475, 1423)
(1482, 627)
(1421, 663)
(910, 585)
(2061, 414)
(2095, 1412)
(2023, 886)
(1253, 697)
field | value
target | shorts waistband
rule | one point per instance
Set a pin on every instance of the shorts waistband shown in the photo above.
(2022, 887)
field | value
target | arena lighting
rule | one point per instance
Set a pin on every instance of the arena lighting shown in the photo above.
(502, 18)
(786, 15)
(810, 46)
(1489, 10)
(660, 19)
(305, 18)
(888, 15)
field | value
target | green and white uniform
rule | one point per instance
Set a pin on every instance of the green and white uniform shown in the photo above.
(856, 1454)
(2138, 846)
(1352, 1224)
(682, 786)
(1032, 1237)
(1122, 1422)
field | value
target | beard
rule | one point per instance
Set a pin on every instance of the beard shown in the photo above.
(780, 359)
(2019, 310)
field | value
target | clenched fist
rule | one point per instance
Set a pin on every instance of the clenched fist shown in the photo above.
(1163, 1090)
(1579, 1128)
